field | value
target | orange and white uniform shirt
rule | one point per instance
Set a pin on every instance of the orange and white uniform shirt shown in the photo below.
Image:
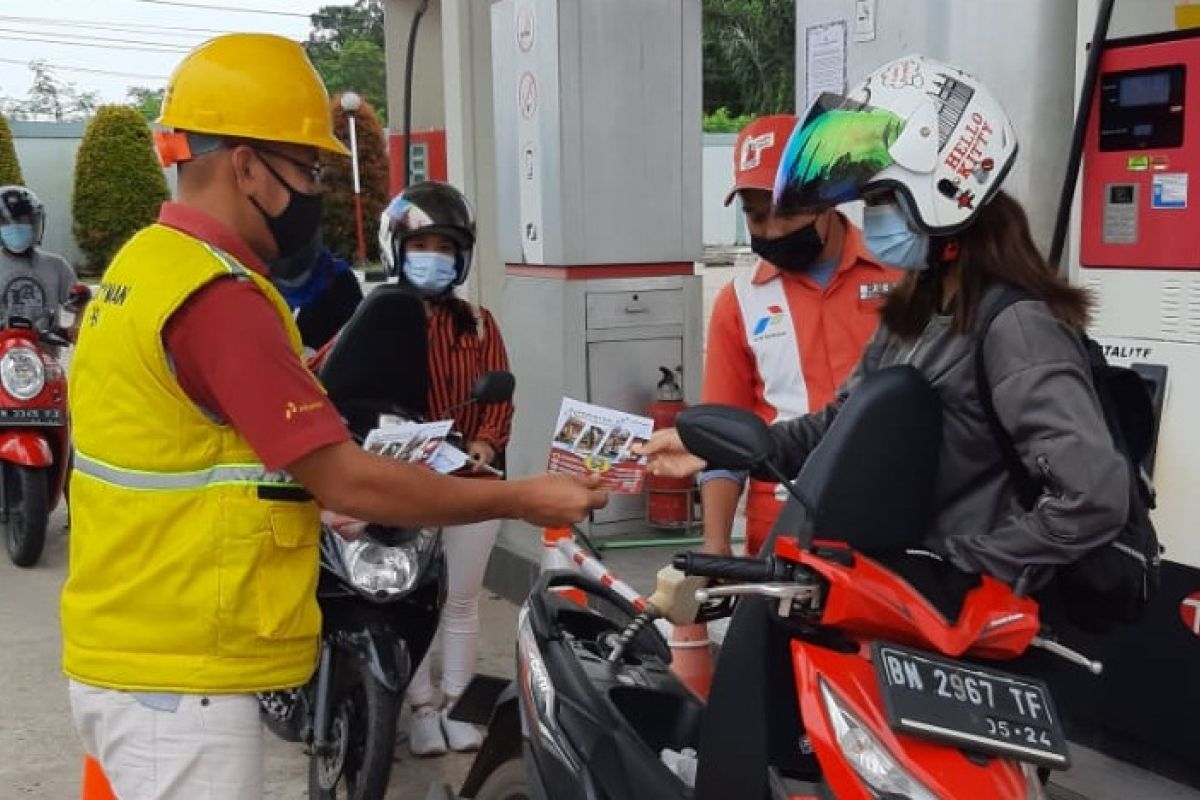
(780, 345)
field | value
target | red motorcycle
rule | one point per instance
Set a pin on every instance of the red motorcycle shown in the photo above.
(35, 439)
(854, 667)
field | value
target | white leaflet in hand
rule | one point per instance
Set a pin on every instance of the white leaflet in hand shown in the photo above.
(413, 442)
(589, 438)
(448, 458)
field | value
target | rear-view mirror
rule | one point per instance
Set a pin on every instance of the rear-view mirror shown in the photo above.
(725, 437)
(493, 388)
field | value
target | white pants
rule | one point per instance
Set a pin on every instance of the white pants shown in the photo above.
(467, 550)
(209, 748)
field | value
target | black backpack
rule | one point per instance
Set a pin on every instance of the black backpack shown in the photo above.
(1113, 583)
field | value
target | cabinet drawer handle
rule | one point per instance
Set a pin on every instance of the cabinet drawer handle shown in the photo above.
(635, 308)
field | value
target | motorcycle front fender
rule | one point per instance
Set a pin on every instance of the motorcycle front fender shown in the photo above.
(26, 448)
(501, 743)
(385, 655)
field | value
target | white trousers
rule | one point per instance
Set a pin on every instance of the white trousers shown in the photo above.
(468, 548)
(208, 748)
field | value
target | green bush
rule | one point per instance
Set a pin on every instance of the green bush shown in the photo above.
(10, 167)
(337, 224)
(720, 121)
(119, 184)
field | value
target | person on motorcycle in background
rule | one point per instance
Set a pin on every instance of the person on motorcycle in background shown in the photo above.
(323, 296)
(928, 147)
(427, 236)
(34, 283)
(785, 334)
(204, 447)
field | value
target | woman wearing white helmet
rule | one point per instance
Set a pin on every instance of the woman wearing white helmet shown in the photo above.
(927, 147)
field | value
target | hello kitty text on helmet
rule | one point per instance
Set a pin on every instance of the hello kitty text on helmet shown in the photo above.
(927, 131)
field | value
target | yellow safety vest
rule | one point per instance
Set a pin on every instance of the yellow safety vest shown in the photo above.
(192, 567)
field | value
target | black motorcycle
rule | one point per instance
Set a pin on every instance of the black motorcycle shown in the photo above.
(380, 595)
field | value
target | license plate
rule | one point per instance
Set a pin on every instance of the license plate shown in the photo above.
(31, 416)
(978, 709)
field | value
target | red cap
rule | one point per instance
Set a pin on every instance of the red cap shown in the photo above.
(758, 152)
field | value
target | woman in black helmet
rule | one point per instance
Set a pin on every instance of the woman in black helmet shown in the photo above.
(427, 235)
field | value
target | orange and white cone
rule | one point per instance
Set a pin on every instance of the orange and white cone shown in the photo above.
(691, 657)
(553, 558)
(95, 783)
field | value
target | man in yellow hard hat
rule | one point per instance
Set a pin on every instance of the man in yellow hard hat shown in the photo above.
(201, 440)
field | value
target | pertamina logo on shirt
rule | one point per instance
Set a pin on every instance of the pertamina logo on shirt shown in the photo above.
(769, 326)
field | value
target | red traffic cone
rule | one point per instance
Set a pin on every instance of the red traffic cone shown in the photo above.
(553, 558)
(691, 657)
(95, 784)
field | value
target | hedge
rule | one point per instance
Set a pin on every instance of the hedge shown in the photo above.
(119, 184)
(10, 167)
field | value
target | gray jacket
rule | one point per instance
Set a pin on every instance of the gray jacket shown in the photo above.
(1043, 395)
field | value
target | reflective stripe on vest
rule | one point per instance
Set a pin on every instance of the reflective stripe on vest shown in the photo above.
(219, 475)
(771, 335)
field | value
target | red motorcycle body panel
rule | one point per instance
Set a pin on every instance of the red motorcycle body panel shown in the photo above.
(867, 602)
(46, 446)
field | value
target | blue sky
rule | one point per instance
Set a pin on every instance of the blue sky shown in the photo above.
(142, 40)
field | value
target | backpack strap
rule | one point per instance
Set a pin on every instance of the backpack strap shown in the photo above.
(1027, 487)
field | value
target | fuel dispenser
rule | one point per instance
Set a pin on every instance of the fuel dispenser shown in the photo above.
(1139, 256)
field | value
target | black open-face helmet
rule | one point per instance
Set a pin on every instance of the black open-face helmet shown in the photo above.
(428, 207)
(20, 206)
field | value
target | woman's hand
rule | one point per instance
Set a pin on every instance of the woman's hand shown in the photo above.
(667, 457)
(481, 454)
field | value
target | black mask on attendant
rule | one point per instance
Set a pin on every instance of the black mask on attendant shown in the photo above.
(792, 252)
(296, 230)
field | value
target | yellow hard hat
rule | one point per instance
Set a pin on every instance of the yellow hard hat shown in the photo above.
(253, 86)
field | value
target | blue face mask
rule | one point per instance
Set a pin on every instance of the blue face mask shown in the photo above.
(17, 238)
(888, 236)
(430, 273)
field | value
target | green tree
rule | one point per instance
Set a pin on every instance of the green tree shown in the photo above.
(337, 221)
(119, 184)
(750, 56)
(10, 167)
(147, 101)
(346, 45)
(50, 97)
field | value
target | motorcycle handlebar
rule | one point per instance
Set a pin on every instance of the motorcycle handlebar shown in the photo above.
(732, 568)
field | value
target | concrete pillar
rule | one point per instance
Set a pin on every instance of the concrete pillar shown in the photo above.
(428, 106)
(470, 143)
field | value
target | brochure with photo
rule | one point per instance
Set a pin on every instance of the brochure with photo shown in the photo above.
(589, 438)
(417, 443)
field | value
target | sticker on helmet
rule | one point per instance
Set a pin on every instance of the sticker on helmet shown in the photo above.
(968, 152)
(952, 98)
(903, 73)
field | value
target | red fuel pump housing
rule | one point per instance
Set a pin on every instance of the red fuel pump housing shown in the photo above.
(670, 502)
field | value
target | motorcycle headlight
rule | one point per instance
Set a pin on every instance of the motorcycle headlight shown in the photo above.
(22, 373)
(868, 756)
(537, 688)
(383, 570)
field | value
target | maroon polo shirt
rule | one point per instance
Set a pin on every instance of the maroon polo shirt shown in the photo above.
(233, 358)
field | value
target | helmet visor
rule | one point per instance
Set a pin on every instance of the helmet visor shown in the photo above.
(834, 153)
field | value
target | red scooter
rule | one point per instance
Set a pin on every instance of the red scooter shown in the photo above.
(854, 667)
(35, 440)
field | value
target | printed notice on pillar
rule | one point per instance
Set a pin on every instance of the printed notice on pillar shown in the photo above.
(600, 440)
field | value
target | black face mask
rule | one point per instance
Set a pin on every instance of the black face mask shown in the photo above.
(792, 252)
(296, 230)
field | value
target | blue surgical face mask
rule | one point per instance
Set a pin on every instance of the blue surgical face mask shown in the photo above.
(430, 273)
(17, 238)
(893, 242)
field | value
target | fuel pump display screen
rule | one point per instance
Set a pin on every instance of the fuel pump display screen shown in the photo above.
(1142, 109)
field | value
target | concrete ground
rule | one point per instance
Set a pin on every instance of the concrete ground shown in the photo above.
(41, 754)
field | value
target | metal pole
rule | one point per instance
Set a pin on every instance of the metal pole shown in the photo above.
(358, 215)
(1090, 75)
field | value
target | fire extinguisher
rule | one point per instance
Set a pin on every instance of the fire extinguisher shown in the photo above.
(669, 500)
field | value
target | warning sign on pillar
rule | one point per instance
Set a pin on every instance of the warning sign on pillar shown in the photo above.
(526, 27)
(527, 95)
(1189, 609)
